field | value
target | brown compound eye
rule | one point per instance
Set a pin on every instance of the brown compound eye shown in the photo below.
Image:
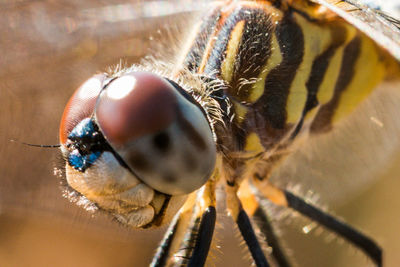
(80, 105)
(134, 105)
(157, 130)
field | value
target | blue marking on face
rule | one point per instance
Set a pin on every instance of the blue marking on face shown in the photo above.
(84, 129)
(80, 162)
(85, 145)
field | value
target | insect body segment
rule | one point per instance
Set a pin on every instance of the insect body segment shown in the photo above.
(286, 68)
(257, 75)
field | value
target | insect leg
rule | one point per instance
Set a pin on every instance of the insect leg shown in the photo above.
(351, 234)
(242, 220)
(188, 239)
(203, 235)
(252, 206)
(287, 199)
(261, 218)
(161, 256)
(173, 236)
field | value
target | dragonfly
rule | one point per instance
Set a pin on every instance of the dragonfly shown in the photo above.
(245, 202)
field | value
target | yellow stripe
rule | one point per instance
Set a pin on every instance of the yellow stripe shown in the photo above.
(231, 51)
(327, 87)
(369, 71)
(274, 60)
(253, 143)
(326, 90)
(240, 111)
(316, 41)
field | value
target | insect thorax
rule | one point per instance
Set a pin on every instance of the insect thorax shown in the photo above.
(288, 70)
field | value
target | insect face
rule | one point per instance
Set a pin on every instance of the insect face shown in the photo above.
(135, 145)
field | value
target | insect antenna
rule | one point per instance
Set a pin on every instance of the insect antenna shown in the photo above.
(36, 145)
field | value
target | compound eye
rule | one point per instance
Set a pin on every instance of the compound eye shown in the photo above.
(80, 105)
(134, 105)
(158, 131)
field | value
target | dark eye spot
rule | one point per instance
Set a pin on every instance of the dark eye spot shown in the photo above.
(189, 161)
(138, 161)
(162, 142)
(169, 178)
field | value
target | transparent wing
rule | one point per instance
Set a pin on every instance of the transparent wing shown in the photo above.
(389, 9)
(379, 24)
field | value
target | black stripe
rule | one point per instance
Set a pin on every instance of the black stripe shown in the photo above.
(272, 104)
(239, 132)
(320, 66)
(253, 51)
(194, 57)
(253, 47)
(318, 71)
(323, 119)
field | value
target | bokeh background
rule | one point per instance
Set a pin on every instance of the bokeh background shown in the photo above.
(47, 49)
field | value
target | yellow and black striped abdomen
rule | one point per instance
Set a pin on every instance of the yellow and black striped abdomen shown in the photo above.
(287, 69)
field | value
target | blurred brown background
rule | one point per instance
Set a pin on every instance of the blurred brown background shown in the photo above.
(47, 49)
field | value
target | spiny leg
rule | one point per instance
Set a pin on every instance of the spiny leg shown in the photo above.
(287, 199)
(161, 257)
(263, 222)
(252, 207)
(205, 234)
(359, 239)
(242, 220)
(207, 214)
(188, 239)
